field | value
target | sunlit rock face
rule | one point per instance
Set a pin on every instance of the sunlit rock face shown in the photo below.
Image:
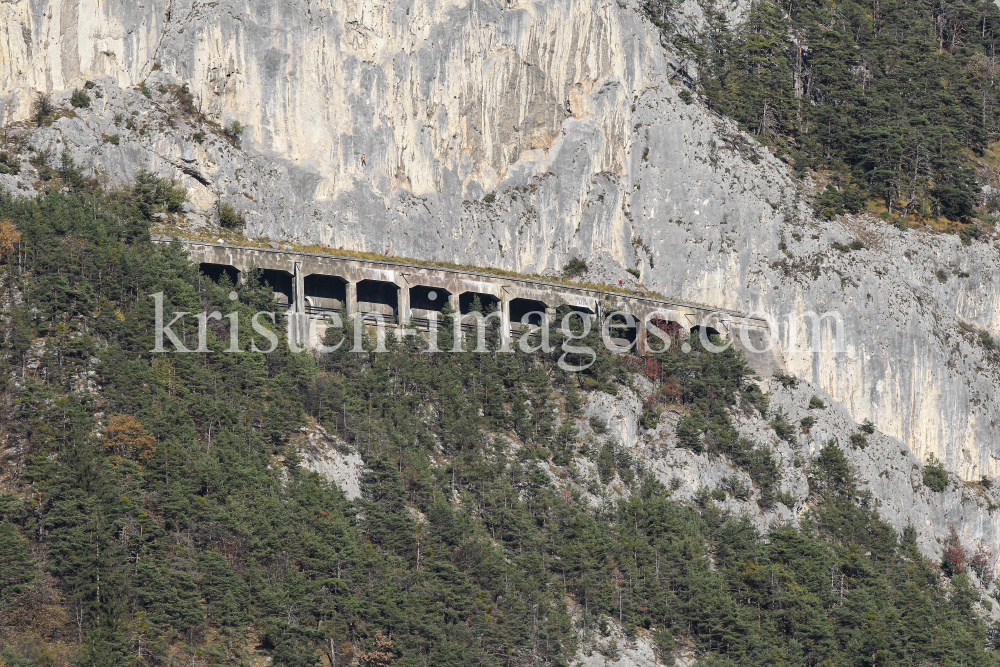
(393, 121)
(518, 135)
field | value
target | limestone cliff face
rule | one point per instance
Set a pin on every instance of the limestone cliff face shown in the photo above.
(395, 118)
(386, 124)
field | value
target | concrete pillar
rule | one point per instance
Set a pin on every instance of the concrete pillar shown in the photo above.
(299, 305)
(641, 334)
(550, 314)
(505, 334)
(298, 289)
(456, 306)
(403, 313)
(351, 302)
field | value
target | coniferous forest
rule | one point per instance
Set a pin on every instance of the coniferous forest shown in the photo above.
(894, 102)
(153, 510)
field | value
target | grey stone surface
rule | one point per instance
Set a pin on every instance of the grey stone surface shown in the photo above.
(331, 458)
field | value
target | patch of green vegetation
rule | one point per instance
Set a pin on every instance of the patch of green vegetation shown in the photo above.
(598, 425)
(574, 268)
(230, 218)
(186, 100)
(853, 245)
(41, 109)
(894, 100)
(613, 459)
(752, 396)
(785, 380)
(782, 427)
(785, 498)
(80, 99)
(9, 164)
(833, 202)
(234, 131)
(987, 341)
(650, 416)
(969, 232)
(935, 476)
(152, 194)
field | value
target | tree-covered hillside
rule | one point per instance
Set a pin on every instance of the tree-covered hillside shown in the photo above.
(895, 99)
(153, 511)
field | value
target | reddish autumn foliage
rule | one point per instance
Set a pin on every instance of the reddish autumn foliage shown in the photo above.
(982, 563)
(954, 558)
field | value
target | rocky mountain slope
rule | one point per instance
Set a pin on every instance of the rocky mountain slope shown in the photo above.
(520, 134)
